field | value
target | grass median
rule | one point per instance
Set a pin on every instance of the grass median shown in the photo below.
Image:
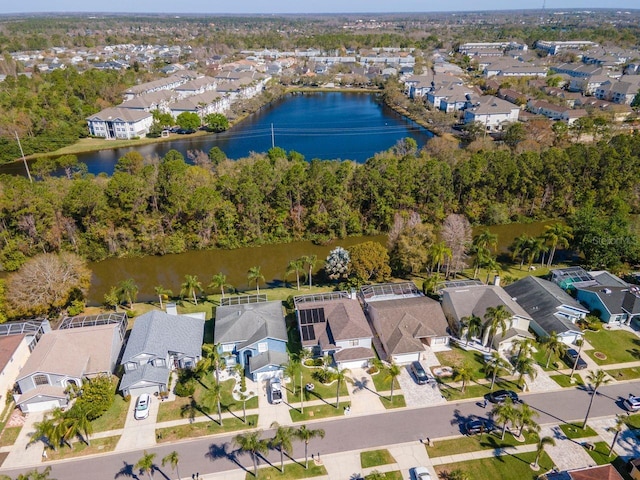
(201, 429)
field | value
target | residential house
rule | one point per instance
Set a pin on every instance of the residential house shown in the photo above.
(334, 324)
(459, 303)
(577, 70)
(203, 104)
(148, 102)
(570, 278)
(554, 47)
(405, 321)
(597, 472)
(196, 86)
(614, 305)
(64, 358)
(551, 308)
(622, 91)
(168, 83)
(492, 112)
(254, 335)
(159, 343)
(14, 352)
(555, 112)
(587, 85)
(120, 123)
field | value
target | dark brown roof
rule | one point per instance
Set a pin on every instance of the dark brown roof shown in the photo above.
(8, 346)
(344, 318)
(603, 472)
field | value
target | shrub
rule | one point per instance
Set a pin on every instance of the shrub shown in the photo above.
(185, 389)
(131, 313)
(322, 376)
(96, 396)
(76, 308)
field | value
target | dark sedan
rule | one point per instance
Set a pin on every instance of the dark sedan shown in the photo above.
(499, 396)
(570, 359)
(474, 427)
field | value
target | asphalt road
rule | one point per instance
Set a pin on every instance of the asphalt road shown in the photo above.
(216, 454)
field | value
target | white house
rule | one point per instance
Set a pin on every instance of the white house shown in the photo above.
(123, 123)
(492, 112)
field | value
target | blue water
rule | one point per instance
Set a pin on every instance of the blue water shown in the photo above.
(326, 126)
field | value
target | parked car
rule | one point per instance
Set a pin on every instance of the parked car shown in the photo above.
(499, 396)
(420, 473)
(275, 390)
(632, 403)
(419, 373)
(185, 131)
(474, 427)
(142, 407)
(570, 359)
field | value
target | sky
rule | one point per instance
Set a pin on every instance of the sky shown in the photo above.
(295, 6)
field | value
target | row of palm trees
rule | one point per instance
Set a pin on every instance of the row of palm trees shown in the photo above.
(282, 440)
(61, 427)
(147, 465)
(528, 248)
(306, 264)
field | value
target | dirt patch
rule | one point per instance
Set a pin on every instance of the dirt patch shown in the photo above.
(600, 355)
(16, 419)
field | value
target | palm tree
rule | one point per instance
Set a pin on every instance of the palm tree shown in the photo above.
(480, 258)
(542, 442)
(491, 265)
(496, 321)
(597, 378)
(525, 366)
(190, 286)
(616, 429)
(439, 252)
(214, 395)
(35, 475)
(557, 235)
(393, 371)
(292, 370)
(340, 374)
(486, 240)
(65, 427)
(463, 375)
(525, 347)
(504, 413)
(219, 280)
(524, 418)
(305, 434)
(536, 247)
(295, 266)
(212, 359)
(145, 464)
(458, 474)
(496, 366)
(254, 275)
(45, 431)
(579, 342)
(520, 248)
(310, 261)
(243, 398)
(162, 292)
(282, 440)
(252, 443)
(554, 346)
(473, 326)
(128, 291)
(172, 459)
(79, 415)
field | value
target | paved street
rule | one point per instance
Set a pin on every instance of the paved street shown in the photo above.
(345, 434)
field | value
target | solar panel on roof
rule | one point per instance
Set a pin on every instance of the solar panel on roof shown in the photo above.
(307, 333)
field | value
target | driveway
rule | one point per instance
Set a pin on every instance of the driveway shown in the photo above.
(418, 395)
(139, 433)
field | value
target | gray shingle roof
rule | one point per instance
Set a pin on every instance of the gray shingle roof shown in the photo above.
(156, 333)
(611, 297)
(541, 299)
(475, 299)
(148, 374)
(268, 358)
(249, 323)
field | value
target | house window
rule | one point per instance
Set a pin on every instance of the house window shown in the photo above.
(160, 362)
(41, 380)
(354, 343)
(228, 347)
(262, 347)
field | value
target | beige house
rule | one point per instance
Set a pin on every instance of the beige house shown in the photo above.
(14, 352)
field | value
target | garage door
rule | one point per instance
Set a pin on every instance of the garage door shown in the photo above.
(355, 364)
(262, 376)
(41, 406)
(135, 392)
(404, 359)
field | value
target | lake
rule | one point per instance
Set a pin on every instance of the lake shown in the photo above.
(323, 125)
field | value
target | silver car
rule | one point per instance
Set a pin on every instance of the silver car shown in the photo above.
(420, 473)
(632, 403)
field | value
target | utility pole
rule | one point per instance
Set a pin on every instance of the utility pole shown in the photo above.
(273, 138)
(26, 165)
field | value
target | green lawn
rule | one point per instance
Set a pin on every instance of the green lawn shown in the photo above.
(320, 391)
(572, 430)
(499, 468)
(398, 401)
(382, 382)
(99, 445)
(292, 471)
(200, 429)
(474, 443)
(179, 408)
(393, 475)
(114, 418)
(601, 453)
(373, 458)
(633, 421)
(632, 373)
(312, 412)
(9, 436)
(564, 380)
(457, 357)
(540, 356)
(618, 345)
